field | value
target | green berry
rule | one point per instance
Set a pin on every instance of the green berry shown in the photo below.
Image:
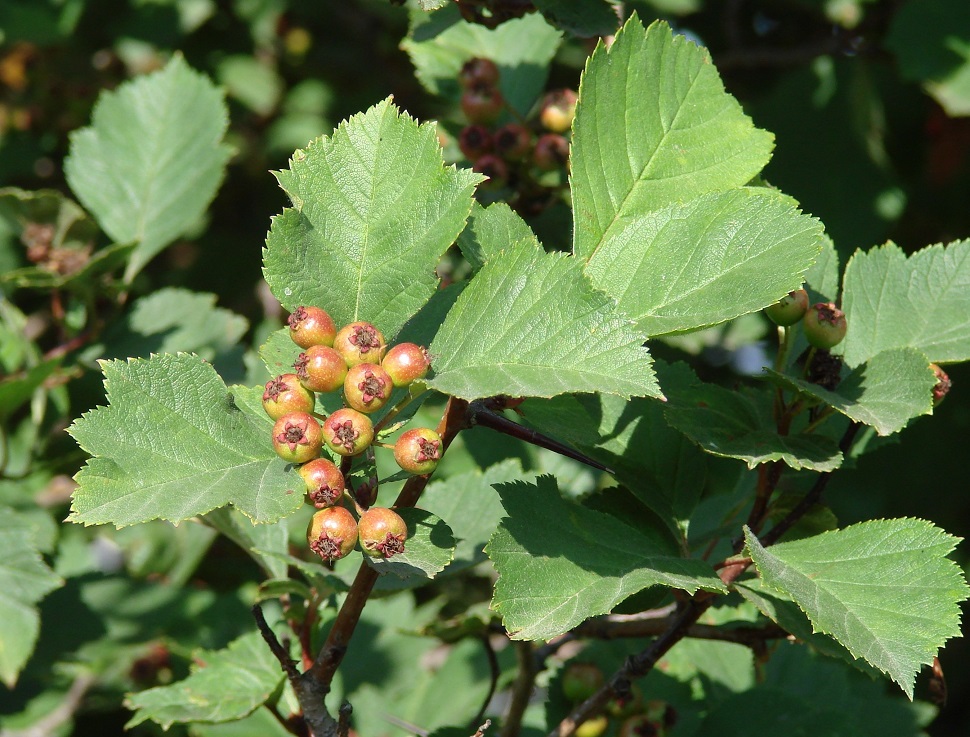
(321, 368)
(332, 533)
(406, 362)
(593, 727)
(286, 394)
(297, 437)
(311, 326)
(367, 387)
(324, 482)
(581, 680)
(824, 325)
(382, 532)
(789, 309)
(347, 432)
(558, 110)
(360, 342)
(418, 450)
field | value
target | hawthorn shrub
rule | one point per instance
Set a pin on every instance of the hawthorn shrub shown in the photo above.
(477, 470)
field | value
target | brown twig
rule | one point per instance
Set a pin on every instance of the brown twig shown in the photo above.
(521, 689)
(494, 671)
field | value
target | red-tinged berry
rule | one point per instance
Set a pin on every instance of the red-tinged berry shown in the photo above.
(347, 432)
(824, 325)
(324, 482)
(297, 437)
(406, 362)
(367, 387)
(418, 450)
(581, 680)
(482, 104)
(551, 152)
(475, 141)
(332, 533)
(478, 71)
(321, 368)
(628, 704)
(789, 309)
(593, 727)
(558, 110)
(943, 385)
(494, 168)
(311, 326)
(360, 342)
(513, 142)
(639, 725)
(286, 394)
(382, 532)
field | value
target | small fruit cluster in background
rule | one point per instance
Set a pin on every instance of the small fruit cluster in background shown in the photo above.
(631, 716)
(515, 154)
(355, 360)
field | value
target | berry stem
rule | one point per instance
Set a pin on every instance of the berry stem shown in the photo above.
(394, 412)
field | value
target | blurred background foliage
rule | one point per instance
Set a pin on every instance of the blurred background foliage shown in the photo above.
(869, 101)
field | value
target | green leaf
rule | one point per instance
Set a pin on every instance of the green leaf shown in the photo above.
(172, 444)
(172, 320)
(583, 18)
(886, 392)
(231, 684)
(472, 507)
(822, 277)
(530, 324)
(931, 41)
(152, 159)
(883, 589)
(699, 263)
(490, 230)
(575, 564)
(427, 550)
(17, 389)
(738, 424)
(892, 301)
(71, 227)
(522, 48)
(24, 580)
(654, 127)
(374, 208)
(659, 465)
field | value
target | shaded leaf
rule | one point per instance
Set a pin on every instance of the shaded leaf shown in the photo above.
(583, 18)
(883, 589)
(374, 208)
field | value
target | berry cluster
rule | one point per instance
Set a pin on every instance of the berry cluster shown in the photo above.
(634, 716)
(356, 360)
(513, 154)
(823, 323)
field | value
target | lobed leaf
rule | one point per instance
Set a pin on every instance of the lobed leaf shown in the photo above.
(230, 685)
(530, 324)
(883, 589)
(172, 444)
(560, 564)
(892, 301)
(490, 230)
(152, 159)
(374, 208)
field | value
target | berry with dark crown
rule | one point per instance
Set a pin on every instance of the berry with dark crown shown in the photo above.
(286, 394)
(494, 168)
(513, 141)
(475, 141)
(824, 325)
(382, 532)
(311, 326)
(367, 387)
(551, 152)
(482, 104)
(418, 450)
(347, 432)
(321, 368)
(324, 482)
(360, 342)
(478, 71)
(297, 437)
(332, 533)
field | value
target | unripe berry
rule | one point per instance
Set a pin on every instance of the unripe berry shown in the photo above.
(824, 325)
(558, 110)
(360, 342)
(347, 432)
(321, 368)
(418, 450)
(311, 326)
(297, 437)
(406, 362)
(477, 72)
(367, 387)
(513, 141)
(494, 168)
(382, 532)
(789, 309)
(482, 104)
(943, 385)
(551, 152)
(332, 533)
(286, 394)
(639, 725)
(581, 680)
(594, 727)
(324, 482)
(628, 705)
(474, 141)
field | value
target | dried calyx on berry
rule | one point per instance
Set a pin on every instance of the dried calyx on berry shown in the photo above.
(347, 432)
(789, 309)
(943, 385)
(286, 394)
(324, 482)
(311, 326)
(475, 141)
(332, 533)
(320, 368)
(513, 141)
(418, 450)
(551, 152)
(297, 437)
(367, 387)
(382, 532)
(494, 168)
(824, 325)
(482, 104)
(478, 71)
(360, 342)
